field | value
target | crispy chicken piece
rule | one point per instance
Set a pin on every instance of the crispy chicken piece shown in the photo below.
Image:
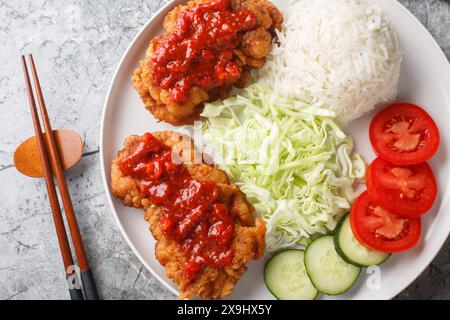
(157, 100)
(248, 239)
(267, 14)
(253, 49)
(255, 42)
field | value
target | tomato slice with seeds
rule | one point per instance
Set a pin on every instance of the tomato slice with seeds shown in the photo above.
(379, 229)
(408, 191)
(404, 134)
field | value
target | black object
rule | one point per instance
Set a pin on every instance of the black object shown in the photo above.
(76, 294)
(90, 290)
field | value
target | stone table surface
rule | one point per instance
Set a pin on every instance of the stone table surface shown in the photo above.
(78, 44)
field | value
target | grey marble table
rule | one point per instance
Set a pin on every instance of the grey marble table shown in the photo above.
(78, 44)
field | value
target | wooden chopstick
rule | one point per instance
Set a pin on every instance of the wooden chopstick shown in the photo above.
(75, 294)
(87, 278)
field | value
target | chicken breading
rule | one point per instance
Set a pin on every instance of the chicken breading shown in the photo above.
(254, 45)
(248, 240)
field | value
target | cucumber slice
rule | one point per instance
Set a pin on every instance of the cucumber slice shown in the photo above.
(286, 278)
(328, 272)
(354, 252)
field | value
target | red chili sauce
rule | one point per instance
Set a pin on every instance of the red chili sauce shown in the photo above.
(193, 217)
(200, 50)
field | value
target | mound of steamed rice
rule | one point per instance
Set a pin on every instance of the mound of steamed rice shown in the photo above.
(341, 55)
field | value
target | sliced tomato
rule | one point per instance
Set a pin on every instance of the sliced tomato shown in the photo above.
(380, 230)
(408, 191)
(404, 134)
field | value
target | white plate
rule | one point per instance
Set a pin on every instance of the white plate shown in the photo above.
(425, 80)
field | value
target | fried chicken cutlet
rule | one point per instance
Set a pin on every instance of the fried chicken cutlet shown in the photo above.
(203, 224)
(208, 47)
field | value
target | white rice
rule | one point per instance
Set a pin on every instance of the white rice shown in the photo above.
(342, 55)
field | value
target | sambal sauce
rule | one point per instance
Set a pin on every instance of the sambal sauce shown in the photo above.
(199, 52)
(192, 214)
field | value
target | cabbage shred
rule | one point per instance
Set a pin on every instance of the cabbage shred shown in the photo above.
(292, 160)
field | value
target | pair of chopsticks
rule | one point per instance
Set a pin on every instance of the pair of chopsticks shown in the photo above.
(51, 163)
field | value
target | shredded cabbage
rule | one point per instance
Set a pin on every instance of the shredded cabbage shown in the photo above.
(293, 162)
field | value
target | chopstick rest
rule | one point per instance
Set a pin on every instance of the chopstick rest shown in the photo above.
(27, 159)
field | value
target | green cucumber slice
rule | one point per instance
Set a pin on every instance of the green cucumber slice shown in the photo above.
(286, 278)
(354, 252)
(328, 272)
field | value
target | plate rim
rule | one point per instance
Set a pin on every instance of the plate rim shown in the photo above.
(106, 181)
(102, 154)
